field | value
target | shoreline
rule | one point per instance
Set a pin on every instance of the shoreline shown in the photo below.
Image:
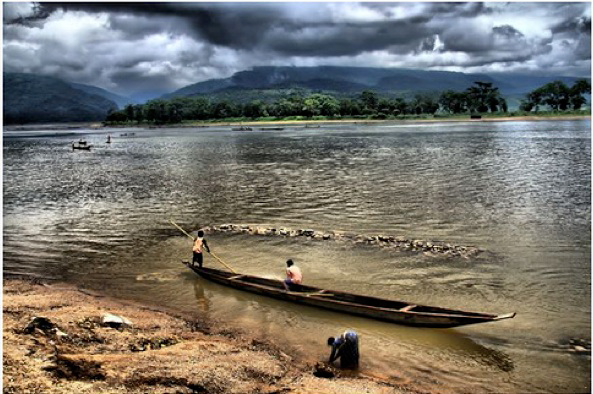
(55, 341)
(99, 126)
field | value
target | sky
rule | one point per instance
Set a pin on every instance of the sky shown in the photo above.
(147, 49)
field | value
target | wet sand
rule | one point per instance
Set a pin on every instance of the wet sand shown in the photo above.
(55, 341)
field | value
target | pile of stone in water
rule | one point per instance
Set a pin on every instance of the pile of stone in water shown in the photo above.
(435, 248)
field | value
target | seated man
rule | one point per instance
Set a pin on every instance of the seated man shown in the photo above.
(345, 348)
(293, 275)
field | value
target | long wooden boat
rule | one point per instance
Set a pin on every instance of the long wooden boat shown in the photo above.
(376, 308)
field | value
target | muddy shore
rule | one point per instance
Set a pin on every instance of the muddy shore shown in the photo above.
(59, 339)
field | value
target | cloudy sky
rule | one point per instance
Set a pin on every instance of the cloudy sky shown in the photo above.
(152, 48)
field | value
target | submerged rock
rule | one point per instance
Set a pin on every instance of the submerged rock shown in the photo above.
(432, 248)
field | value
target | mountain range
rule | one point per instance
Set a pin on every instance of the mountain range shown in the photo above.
(30, 98)
(350, 81)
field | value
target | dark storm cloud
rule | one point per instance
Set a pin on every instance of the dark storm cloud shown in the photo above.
(269, 26)
(574, 26)
(351, 39)
(232, 25)
(169, 45)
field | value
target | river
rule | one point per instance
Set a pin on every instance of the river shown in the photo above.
(520, 191)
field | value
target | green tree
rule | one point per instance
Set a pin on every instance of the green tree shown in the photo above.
(349, 107)
(526, 105)
(400, 106)
(369, 101)
(482, 96)
(283, 108)
(580, 87)
(156, 111)
(329, 105)
(311, 106)
(117, 116)
(138, 113)
(222, 109)
(556, 95)
(453, 102)
(255, 109)
(130, 112)
(200, 108)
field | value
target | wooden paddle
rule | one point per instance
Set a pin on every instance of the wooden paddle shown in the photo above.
(213, 255)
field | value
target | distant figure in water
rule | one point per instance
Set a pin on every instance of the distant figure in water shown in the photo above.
(293, 275)
(199, 245)
(345, 348)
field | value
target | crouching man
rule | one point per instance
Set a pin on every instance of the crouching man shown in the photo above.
(345, 348)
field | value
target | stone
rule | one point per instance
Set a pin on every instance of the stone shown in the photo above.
(114, 321)
(59, 333)
(308, 233)
(322, 370)
(39, 324)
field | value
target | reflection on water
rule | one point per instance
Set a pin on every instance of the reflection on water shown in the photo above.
(203, 302)
(520, 190)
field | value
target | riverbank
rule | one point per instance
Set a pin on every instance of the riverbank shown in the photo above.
(304, 122)
(61, 339)
(319, 122)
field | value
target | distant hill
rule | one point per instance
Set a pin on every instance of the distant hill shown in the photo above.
(267, 83)
(30, 98)
(121, 101)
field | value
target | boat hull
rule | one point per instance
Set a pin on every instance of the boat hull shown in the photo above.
(371, 307)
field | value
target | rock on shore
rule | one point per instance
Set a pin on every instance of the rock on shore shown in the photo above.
(57, 340)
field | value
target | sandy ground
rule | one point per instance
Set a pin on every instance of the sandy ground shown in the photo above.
(55, 341)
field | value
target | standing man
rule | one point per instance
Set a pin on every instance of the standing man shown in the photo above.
(293, 275)
(199, 244)
(345, 348)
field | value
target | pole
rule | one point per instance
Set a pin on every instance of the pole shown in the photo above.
(223, 263)
(213, 255)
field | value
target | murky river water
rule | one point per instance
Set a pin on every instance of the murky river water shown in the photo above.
(519, 190)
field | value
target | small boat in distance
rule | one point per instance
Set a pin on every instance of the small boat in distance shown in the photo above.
(271, 128)
(81, 145)
(242, 128)
(398, 312)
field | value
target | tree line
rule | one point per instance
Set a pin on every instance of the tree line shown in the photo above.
(482, 97)
(557, 96)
